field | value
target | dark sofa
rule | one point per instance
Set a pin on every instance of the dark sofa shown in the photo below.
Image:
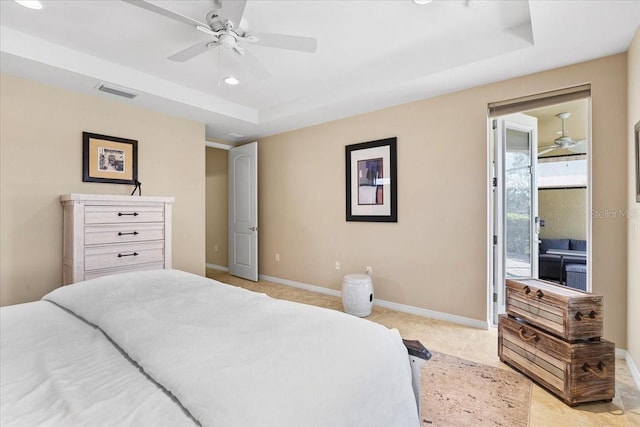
(550, 266)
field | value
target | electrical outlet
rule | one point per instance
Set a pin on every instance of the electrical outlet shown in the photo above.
(337, 265)
(369, 270)
(215, 248)
(277, 257)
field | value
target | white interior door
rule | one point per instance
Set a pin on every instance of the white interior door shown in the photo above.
(516, 221)
(243, 211)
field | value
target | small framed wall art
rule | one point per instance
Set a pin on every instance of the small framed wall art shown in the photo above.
(109, 159)
(371, 181)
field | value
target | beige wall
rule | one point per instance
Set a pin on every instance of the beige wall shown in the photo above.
(633, 280)
(41, 158)
(435, 257)
(217, 184)
(564, 213)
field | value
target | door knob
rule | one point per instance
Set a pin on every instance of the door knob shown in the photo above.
(253, 228)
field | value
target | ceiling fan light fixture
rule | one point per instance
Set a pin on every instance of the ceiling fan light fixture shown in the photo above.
(231, 81)
(564, 140)
(31, 4)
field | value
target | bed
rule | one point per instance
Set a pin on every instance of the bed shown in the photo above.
(165, 347)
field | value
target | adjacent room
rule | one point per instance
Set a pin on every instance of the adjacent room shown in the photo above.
(359, 213)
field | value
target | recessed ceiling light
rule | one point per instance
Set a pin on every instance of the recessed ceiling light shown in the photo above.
(31, 4)
(422, 1)
(231, 81)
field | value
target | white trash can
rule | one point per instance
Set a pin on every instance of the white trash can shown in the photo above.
(357, 294)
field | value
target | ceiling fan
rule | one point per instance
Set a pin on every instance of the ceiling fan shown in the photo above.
(565, 141)
(223, 25)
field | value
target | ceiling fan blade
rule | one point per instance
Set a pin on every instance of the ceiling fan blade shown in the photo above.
(165, 12)
(192, 51)
(547, 150)
(254, 66)
(283, 41)
(233, 10)
(579, 146)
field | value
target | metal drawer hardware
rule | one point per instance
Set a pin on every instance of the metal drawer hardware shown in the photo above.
(133, 233)
(527, 338)
(128, 214)
(123, 255)
(527, 291)
(592, 315)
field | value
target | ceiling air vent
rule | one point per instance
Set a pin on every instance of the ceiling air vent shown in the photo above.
(234, 135)
(116, 90)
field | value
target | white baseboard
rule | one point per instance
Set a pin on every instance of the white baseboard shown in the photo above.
(217, 267)
(633, 368)
(301, 285)
(478, 324)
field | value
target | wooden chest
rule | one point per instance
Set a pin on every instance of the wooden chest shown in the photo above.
(576, 372)
(566, 312)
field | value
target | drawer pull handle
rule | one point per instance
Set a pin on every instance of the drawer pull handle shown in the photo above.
(539, 294)
(527, 290)
(603, 371)
(592, 315)
(128, 214)
(123, 255)
(527, 338)
(133, 233)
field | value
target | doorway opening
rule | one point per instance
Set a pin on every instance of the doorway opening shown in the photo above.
(539, 191)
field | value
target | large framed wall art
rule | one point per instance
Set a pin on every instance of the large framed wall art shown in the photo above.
(636, 131)
(371, 181)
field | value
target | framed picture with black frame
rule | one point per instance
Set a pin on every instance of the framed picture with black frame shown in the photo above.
(636, 132)
(371, 181)
(109, 159)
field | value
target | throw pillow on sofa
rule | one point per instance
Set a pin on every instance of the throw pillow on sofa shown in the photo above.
(577, 245)
(546, 244)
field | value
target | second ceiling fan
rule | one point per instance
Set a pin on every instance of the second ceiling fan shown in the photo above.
(223, 25)
(565, 141)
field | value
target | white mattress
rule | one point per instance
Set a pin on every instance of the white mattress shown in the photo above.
(229, 356)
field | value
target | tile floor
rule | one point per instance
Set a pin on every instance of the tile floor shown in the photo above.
(480, 346)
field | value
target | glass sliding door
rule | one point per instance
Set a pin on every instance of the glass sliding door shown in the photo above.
(516, 210)
(519, 191)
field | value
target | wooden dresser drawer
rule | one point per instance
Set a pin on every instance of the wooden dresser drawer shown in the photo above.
(123, 233)
(566, 312)
(577, 372)
(110, 256)
(99, 214)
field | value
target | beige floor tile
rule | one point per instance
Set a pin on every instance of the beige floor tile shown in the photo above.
(442, 336)
(480, 346)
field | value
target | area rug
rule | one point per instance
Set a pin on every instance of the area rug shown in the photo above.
(459, 392)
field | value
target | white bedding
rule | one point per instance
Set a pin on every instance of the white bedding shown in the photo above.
(58, 370)
(237, 358)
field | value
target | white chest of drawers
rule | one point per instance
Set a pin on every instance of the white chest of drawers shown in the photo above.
(104, 234)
